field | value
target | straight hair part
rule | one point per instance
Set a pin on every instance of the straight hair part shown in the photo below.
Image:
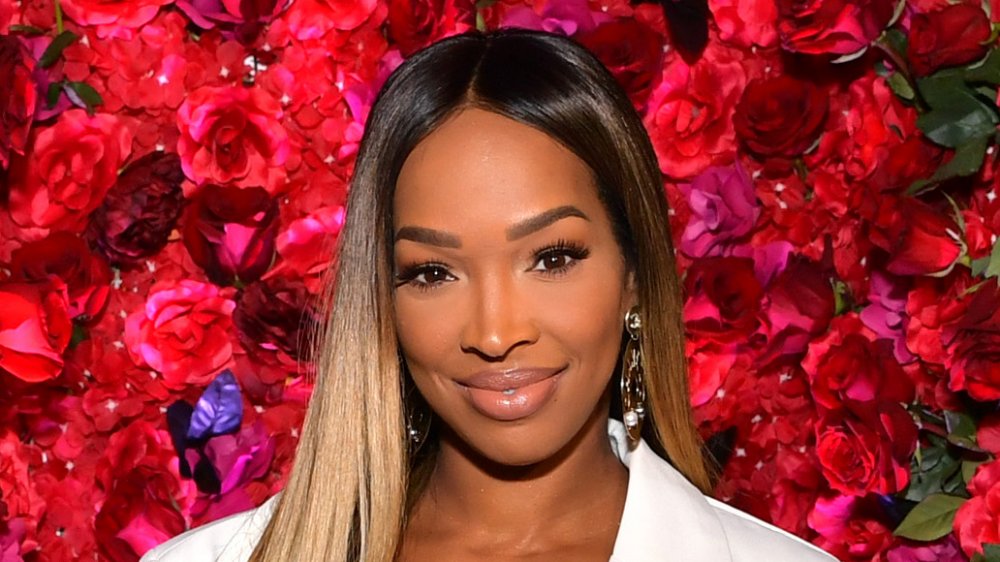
(354, 478)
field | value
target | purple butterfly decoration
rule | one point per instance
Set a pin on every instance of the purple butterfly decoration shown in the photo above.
(219, 411)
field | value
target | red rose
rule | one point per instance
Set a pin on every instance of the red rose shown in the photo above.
(230, 232)
(978, 520)
(690, 113)
(932, 304)
(113, 18)
(861, 455)
(631, 51)
(953, 35)
(723, 299)
(745, 22)
(183, 333)
(35, 329)
(87, 277)
(136, 217)
(17, 98)
(780, 116)
(799, 305)
(916, 158)
(836, 27)
(298, 244)
(848, 369)
(71, 166)
(232, 135)
(973, 345)
(919, 239)
(414, 24)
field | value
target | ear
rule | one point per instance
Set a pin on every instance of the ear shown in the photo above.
(631, 291)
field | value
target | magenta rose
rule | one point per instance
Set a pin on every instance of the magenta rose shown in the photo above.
(837, 27)
(851, 528)
(35, 329)
(232, 135)
(17, 98)
(138, 214)
(972, 343)
(230, 232)
(723, 209)
(87, 276)
(243, 20)
(71, 166)
(113, 18)
(183, 333)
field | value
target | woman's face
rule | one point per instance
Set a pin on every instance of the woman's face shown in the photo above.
(510, 288)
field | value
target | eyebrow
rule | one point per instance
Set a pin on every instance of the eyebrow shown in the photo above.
(520, 230)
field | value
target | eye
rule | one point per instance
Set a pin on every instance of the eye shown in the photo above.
(424, 276)
(559, 257)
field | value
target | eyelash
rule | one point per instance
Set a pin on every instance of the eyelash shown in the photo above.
(561, 249)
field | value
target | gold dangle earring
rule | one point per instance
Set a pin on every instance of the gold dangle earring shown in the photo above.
(633, 389)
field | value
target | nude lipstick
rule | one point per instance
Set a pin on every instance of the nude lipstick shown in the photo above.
(508, 395)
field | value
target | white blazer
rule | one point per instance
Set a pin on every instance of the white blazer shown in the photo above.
(666, 518)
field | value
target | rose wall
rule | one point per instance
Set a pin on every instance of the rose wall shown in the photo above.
(172, 178)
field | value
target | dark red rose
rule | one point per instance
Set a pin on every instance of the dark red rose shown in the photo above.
(973, 345)
(416, 23)
(978, 520)
(35, 329)
(69, 169)
(867, 453)
(230, 232)
(17, 98)
(87, 276)
(275, 316)
(837, 27)
(919, 239)
(631, 51)
(723, 299)
(136, 217)
(953, 35)
(780, 116)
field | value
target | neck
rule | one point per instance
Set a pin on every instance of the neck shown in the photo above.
(530, 505)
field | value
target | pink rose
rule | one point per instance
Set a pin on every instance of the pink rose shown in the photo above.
(231, 135)
(723, 210)
(183, 333)
(71, 166)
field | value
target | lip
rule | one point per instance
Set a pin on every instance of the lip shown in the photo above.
(513, 394)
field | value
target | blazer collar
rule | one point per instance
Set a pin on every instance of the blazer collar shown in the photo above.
(665, 517)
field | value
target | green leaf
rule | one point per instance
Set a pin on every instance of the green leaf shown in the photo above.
(986, 70)
(931, 519)
(931, 469)
(957, 115)
(896, 40)
(969, 470)
(978, 266)
(993, 268)
(52, 94)
(900, 86)
(966, 161)
(55, 48)
(27, 30)
(991, 553)
(960, 424)
(86, 94)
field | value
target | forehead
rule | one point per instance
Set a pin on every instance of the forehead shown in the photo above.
(479, 167)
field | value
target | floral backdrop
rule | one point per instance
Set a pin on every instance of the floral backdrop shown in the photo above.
(172, 171)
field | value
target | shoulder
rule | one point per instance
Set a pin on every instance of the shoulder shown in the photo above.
(230, 539)
(753, 540)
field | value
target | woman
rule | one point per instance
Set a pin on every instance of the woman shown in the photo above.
(505, 294)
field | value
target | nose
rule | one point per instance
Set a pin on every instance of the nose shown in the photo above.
(500, 319)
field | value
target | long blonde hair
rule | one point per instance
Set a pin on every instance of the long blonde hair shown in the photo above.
(347, 494)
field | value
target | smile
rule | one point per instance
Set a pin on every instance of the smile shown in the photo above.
(513, 394)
